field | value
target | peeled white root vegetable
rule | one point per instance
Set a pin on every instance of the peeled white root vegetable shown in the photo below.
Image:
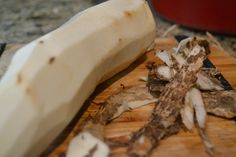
(49, 79)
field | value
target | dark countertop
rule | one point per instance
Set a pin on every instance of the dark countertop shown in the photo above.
(21, 22)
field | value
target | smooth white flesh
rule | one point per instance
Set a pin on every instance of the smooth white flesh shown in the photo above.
(165, 72)
(205, 83)
(200, 112)
(86, 144)
(193, 102)
(181, 46)
(49, 79)
(187, 113)
(165, 57)
(199, 107)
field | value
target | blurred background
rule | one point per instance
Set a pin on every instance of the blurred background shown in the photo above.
(22, 21)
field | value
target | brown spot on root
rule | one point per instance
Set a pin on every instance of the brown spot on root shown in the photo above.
(92, 151)
(41, 41)
(119, 40)
(28, 90)
(19, 79)
(51, 60)
(122, 85)
(128, 14)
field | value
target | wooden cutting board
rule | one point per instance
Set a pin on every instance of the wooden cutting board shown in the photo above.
(222, 132)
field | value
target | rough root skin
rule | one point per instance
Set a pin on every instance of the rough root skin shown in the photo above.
(221, 103)
(167, 109)
(126, 99)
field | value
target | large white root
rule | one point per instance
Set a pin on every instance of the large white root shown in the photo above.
(49, 79)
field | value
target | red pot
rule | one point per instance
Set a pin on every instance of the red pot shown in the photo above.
(211, 15)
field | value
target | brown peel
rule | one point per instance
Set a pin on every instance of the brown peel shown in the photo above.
(165, 115)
